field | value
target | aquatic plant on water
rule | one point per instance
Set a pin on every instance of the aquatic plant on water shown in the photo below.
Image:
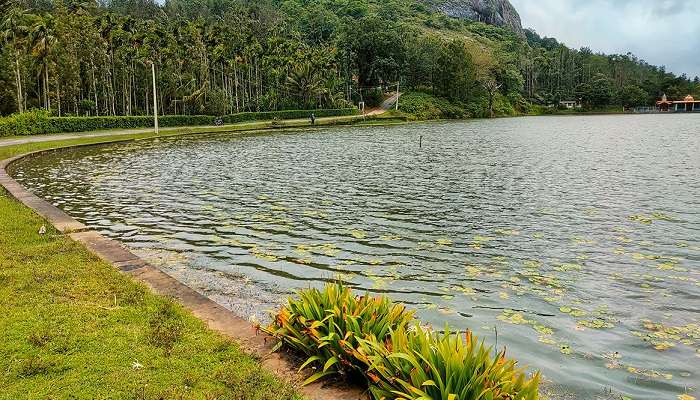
(381, 341)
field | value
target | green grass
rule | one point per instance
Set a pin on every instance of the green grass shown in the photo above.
(72, 325)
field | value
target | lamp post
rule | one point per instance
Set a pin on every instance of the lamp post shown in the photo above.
(155, 97)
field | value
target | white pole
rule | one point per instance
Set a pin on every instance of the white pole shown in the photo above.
(155, 98)
(397, 94)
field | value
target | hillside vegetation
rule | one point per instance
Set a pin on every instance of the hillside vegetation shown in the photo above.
(227, 56)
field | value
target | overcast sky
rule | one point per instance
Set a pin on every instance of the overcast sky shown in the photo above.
(662, 32)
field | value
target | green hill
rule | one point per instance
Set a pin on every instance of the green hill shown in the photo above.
(223, 56)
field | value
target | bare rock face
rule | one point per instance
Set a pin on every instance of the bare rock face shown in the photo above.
(493, 12)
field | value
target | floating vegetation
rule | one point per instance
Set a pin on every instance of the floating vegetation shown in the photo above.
(596, 323)
(444, 242)
(662, 337)
(579, 240)
(565, 349)
(358, 234)
(569, 267)
(574, 312)
(315, 214)
(258, 253)
(517, 318)
(641, 219)
(648, 219)
(649, 373)
(390, 238)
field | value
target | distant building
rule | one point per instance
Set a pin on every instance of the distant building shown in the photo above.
(570, 104)
(688, 104)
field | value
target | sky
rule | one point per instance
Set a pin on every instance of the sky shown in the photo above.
(662, 32)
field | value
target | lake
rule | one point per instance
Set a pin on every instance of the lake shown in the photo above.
(572, 241)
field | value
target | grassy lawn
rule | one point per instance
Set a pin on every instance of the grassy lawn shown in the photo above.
(74, 327)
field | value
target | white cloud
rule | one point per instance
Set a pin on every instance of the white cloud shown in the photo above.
(663, 32)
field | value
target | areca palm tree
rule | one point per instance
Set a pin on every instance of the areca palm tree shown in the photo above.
(42, 41)
(14, 32)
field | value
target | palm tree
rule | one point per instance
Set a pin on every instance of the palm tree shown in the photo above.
(42, 41)
(14, 31)
(305, 83)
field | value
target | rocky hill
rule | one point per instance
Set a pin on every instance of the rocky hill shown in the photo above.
(494, 12)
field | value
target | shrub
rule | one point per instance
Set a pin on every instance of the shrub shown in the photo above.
(423, 364)
(424, 106)
(40, 122)
(326, 326)
(381, 341)
(28, 123)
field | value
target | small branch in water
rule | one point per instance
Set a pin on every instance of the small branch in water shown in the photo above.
(420, 142)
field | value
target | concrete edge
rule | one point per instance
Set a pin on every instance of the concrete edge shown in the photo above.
(215, 316)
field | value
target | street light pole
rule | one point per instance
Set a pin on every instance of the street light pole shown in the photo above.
(155, 98)
(397, 94)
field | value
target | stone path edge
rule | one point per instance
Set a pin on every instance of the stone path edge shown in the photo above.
(215, 316)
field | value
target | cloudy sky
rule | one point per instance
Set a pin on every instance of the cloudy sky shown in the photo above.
(662, 32)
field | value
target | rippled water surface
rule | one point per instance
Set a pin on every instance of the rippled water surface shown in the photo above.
(576, 239)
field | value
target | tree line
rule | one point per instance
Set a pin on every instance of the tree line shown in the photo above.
(76, 57)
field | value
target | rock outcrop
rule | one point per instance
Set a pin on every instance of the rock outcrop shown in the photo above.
(493, 12)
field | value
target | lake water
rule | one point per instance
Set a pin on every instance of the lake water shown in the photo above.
(573, 241)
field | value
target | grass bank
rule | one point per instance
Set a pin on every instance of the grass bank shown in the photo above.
(74, 327)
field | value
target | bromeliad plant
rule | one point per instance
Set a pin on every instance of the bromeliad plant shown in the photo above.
(326, 325)
(420, 364)
(381, 341)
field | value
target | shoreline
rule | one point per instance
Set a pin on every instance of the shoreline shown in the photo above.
(216, 317)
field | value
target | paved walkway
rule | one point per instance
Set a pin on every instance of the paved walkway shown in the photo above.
(200, 128)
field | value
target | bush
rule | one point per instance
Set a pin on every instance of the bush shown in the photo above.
(40, 122)
(381, 341)
(326, 325)
(424, 106)
(433, 365)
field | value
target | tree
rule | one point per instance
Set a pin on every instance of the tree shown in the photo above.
(14, 32)
(42, 42)
(633, 95)
(601, 90)
(491, 86)
(305, 83)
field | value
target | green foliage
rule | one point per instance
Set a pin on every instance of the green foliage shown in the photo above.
(224, 57)
(28, 123)
(39, 122)
(424, 106)
(422, 364)
(633, 95)
(326, 326)
(381, 341)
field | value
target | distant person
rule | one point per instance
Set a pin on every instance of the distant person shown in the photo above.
(313, 119)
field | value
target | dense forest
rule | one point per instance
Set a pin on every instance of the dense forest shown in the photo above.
(219, 57)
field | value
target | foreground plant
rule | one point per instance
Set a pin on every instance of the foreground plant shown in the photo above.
(381, 341)
(327, 325)
(422, 364)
